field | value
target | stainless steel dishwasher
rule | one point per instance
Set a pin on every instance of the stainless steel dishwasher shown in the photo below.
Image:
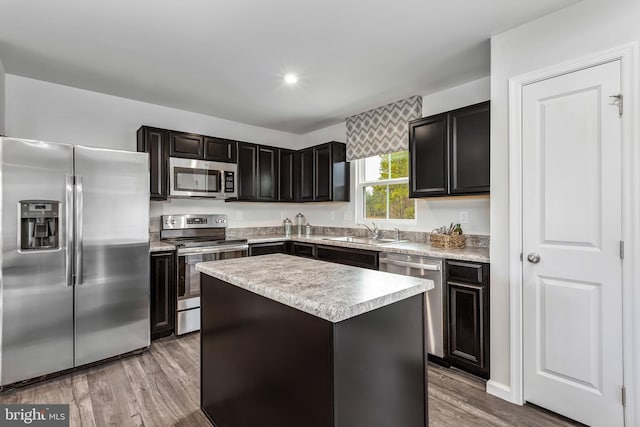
(428, 268)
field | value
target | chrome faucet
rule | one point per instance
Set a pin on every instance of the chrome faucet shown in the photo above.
(374, 233)
(397, 233)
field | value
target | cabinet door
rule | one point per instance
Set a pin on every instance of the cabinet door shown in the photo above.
(286, 188)
(186, 145)
(267, 173)
(220, 150)
(347, 256)
(156, 143)
(466, 326)
(247, 171)
(428, 171)
(267, 248)
(163, 296)
(323, 172)
(305, 160)
(469, 149)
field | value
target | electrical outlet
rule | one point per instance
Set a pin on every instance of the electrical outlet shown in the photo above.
(464, 217)
(238, 215)
(332, 215)
(281, 215)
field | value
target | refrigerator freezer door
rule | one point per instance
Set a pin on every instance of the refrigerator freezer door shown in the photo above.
(112, 275)
(36, 308)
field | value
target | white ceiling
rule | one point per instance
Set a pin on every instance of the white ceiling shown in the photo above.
(226, 58)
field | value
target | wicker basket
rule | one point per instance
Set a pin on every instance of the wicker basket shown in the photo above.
(446, 241)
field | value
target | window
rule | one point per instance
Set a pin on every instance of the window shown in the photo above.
(384, 185)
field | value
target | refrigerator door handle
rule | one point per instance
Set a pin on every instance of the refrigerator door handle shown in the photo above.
(68, 258)
(79, 249)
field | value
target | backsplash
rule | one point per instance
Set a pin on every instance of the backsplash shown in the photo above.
(471, 240)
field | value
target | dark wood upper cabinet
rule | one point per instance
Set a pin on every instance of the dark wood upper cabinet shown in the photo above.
(155, 142)
(286, 170)
(186, 145)
(469, 149)
(267, 174)
(467, 316)
(220, 150)
(428, 165)
(163, 294)
(323, 173)
(449, 153)
(247, 171)
(307, 175)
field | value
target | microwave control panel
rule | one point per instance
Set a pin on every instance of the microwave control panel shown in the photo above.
(229, 182)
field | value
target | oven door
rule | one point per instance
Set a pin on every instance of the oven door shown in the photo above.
(188, 292)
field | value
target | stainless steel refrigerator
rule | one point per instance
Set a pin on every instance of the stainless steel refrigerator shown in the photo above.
(75, 256)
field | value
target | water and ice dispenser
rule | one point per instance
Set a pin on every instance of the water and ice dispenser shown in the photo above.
(39, 227)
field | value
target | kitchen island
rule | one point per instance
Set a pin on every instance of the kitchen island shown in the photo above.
(290, 342)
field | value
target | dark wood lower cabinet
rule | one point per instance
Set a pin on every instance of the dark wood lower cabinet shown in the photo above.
(267, 364)
(467, 316)
(269, 248)
(348, 256)
(163, 294)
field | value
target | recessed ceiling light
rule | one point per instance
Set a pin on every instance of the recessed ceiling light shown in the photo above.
(290, 78)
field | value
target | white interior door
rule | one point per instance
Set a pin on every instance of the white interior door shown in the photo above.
(572, 220)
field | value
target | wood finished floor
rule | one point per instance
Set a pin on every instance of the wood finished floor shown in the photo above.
(161, 388)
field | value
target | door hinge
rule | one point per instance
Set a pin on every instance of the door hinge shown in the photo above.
(520, 256)
(621, 249)
(619, 101)
(624, 396)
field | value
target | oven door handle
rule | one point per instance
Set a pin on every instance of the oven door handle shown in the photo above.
(213, 250)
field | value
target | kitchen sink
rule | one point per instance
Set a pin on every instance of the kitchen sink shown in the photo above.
(364, 240)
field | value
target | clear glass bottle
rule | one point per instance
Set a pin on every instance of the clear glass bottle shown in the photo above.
(286, 227)
(299, 223)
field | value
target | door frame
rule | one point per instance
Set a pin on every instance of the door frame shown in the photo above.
(628, 56)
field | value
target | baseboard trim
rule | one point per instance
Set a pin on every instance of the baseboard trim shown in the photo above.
(500, 390)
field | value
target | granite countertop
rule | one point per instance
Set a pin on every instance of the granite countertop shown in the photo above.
(161, 246)
(332, 292)
(406, 248)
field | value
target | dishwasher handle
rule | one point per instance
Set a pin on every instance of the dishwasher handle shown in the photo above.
(430, 267)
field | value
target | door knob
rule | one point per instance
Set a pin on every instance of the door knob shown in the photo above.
(533, 258)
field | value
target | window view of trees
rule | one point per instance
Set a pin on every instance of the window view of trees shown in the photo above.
(390, 198)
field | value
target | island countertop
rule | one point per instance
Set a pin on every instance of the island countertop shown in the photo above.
(332, 292)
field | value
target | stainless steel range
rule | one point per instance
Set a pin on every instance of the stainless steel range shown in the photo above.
(197, 238)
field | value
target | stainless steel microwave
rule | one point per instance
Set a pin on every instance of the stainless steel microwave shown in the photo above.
(199, 178)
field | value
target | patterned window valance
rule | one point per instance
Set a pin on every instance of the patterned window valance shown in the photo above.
(382, 130)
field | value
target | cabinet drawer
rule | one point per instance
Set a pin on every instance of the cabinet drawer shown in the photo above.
(303, 249)
(469, 272)
(347, 256)
(268, 248)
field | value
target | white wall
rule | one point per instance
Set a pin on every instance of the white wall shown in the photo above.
(47, 111)
(587, 27)
(430, 213)
(52, 112)
(2, 98)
